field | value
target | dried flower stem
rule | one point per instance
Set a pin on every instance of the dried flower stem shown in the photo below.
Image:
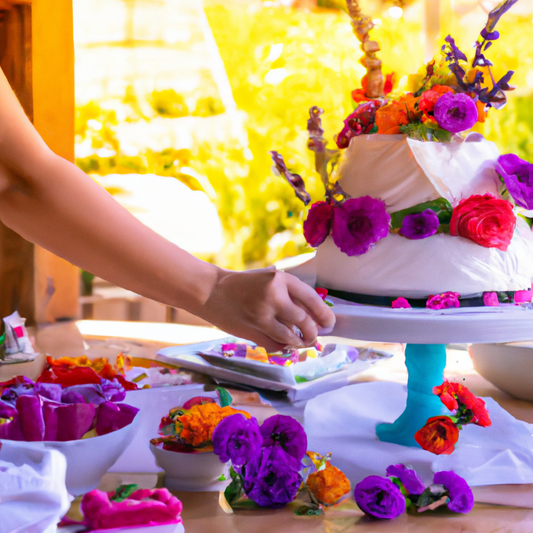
(362, 24)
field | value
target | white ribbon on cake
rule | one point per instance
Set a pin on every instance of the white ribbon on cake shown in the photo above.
(459, 169)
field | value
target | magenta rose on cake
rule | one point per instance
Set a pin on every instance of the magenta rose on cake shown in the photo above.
(485, 220)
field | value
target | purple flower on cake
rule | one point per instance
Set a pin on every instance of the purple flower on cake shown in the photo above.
(490, 299)
(379, 497)
(400, 303)
(420, 225)
(455, 112)
(358, 224)
(237, 439)
(286, 432)
(409, 478)
(271, 478)
(445, 300)
(517, 175)
(317, 225)
(460, 494)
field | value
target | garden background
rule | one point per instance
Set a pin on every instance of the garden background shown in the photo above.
(200, 92)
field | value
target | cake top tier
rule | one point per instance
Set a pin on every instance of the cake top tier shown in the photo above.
(404, 172)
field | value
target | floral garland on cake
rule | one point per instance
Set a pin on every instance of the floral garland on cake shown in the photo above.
(447, 98)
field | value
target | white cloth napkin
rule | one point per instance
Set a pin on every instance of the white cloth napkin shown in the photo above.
(33, 495)
(343, 422)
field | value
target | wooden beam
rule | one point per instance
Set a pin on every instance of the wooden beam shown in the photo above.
(53, 116)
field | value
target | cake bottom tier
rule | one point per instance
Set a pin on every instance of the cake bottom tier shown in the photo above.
(397, 266)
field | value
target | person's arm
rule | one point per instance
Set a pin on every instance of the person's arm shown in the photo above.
(51, 202)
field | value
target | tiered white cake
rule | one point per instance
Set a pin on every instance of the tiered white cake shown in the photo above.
(404, 172)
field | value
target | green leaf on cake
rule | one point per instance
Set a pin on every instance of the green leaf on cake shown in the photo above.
(441, 206)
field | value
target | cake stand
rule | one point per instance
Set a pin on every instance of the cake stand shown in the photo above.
(426, 332)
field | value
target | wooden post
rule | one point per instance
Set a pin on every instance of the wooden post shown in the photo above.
(36, 43)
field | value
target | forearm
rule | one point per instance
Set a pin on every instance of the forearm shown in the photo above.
(66, 212)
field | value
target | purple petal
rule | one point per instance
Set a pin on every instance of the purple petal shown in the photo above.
(455, 112)
(358, 224)
(420, 225)
(114, 416)
(113, 390)
(86, 393)
(237, 438)
(50, 391)
(67, 421)
(30, 409)
(379, 497)
(287, 432)
(461, 497)
(517, 175)
(317, 225)
(271, 477)
(409, 478)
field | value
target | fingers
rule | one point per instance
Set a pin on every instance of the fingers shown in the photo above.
(294, 315)
(312, 303)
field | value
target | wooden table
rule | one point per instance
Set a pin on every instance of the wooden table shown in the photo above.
(202, 512)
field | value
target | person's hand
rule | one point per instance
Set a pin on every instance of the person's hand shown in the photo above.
(266, 306)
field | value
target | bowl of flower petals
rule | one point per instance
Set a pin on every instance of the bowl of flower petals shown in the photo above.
(84, 422)
(184, 449)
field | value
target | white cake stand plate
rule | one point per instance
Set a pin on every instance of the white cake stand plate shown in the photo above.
(426, 332)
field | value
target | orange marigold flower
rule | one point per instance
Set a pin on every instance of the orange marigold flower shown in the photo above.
(390, 117)
(199, 422)
(438, 436)
(328, 485)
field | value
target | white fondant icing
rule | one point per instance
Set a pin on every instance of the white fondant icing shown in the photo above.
(391, 168)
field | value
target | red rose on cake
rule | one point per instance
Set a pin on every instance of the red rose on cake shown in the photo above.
(484, 219)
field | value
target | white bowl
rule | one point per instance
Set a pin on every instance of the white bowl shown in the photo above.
(154, 404)
(89, 459)
(189, 471)
(507, 366)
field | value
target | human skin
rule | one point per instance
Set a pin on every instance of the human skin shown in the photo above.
(52, 203)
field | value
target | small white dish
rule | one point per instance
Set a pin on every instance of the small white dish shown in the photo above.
(190, 471)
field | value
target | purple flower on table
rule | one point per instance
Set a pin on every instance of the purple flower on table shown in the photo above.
(517, 175)
(285, 432)
(358, 224)
(445, 300)
(455, 112)
(420, 225)
(237, 439)
(379, 497)
(317, 225)
(460, 494)
(409, 478)
(490, 299)
(271, 478)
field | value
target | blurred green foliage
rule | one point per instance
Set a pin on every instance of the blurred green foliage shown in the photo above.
(280, 62)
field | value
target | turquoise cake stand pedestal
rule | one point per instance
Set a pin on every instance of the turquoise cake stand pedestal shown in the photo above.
(425, 366)
(426, 334)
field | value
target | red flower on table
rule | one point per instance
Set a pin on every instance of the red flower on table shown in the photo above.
(438, 436)
(484, 219)
(446, 392)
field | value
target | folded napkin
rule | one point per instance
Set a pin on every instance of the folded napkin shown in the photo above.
(33, 495)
